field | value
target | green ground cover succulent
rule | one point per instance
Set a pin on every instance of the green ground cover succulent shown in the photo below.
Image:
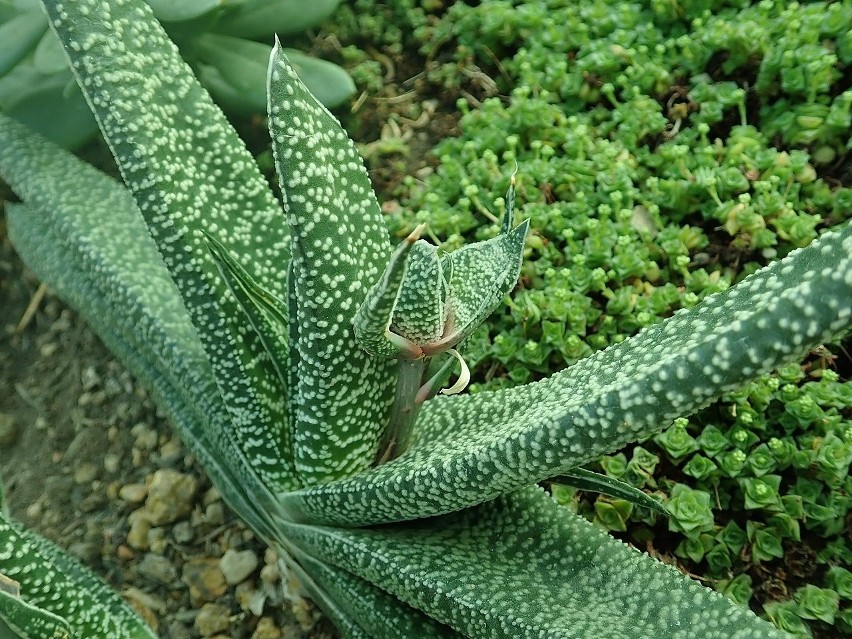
(668, 149)
(225, 42)
(282, 347)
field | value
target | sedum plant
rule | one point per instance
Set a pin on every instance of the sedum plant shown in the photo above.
(302, 359)
(218, 38)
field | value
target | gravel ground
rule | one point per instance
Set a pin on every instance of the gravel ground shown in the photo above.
(88, 462)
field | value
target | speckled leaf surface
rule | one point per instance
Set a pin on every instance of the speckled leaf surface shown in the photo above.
(467, 449)
(589, 481)
(188, 172)
(373, 319)
(522, 567)
(268, 316)
(52, 581)
(21, 620)
(421, 310)
(480, 276)
(340, 247)
(586, 480)
(375, 611)
(81, 232)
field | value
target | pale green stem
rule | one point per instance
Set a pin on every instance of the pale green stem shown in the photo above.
(404, 411)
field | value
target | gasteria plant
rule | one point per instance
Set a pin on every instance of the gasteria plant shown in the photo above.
(300, 358)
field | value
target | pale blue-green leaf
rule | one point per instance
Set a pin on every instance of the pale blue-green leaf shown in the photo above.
(82, 233)
(49, 57)
(52, 582)
(253, 18)
(420, 314)
(329, 83)
(180, 10)
(19, 36)
(466, 449)
(522, 567)
(55, 107)
(188, 171)
(226, 96)
(241, 65)
(587, 480)
(340, 245)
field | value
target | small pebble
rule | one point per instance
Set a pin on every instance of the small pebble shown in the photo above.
(133, 493)
(183, 532)
(205, 580)
(212, 618)
(170, 496)
(266, 629)
(236, 565)
(125, 553)
(214, 514)
(137, 536)
(8, 430)
(157, 568)
(85, 473)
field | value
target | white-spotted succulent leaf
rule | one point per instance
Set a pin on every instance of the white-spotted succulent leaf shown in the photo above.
(22, 620)
(441, 299)
(522, 567)
(589, 481)
(374, 317)
(83, 234)
(58, 598)
(339, 246)
(268, 316)
(480, 276)
(471, 448)
(373, 610)
(189, 172)
(420, 315)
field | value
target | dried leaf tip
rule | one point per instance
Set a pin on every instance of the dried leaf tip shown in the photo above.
(415, 234)
(464, 378)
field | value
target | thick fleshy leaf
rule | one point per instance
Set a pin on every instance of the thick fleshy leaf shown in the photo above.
(97, 254)
(49, 57)
(241, 64)
(51, 105)
(189, 172)
(19, 36)
(421, 311)
(373, 319)
(595, 482)
(373, 610)
(171, 11)
(521, 567)
(268, 317)
(329, 83)
(234, 69)
(55, 590)
(467, 449)
(253, 18)
(21, 620)
(480, 276)
(340, 245)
